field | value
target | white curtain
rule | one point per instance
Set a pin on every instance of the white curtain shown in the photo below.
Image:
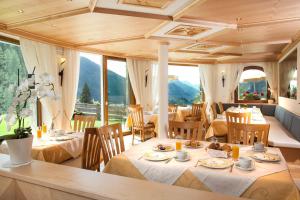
(233, 77)
(70, 85)
(271, 71)
(140, 75)
(207, 80)
(44, 58)
(155, 87)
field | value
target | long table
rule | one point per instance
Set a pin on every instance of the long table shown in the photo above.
(218, 126)
(268, 181)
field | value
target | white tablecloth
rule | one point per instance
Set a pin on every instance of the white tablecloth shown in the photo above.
(221, 181)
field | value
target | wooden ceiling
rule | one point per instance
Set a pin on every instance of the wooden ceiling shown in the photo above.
(244, 30)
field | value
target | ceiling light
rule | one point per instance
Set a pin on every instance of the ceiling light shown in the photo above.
(20, 11)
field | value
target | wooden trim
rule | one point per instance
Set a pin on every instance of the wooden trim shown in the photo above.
(269, 22)
(132, 13)
(254, 67)
(92, 5)
(283, 41)
(39, 113)
(289, 47)
(49, 17)
(139, 37)
(105, 89)
(182, 11)
(9, 40)
(226, 54)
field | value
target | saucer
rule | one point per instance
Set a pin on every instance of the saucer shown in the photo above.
(251, 168)
(182, 160)
(257, 150)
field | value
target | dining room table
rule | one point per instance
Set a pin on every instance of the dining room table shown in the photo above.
(54, 148)
(218, 126)
(267, 180)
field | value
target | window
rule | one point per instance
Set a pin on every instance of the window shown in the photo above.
(89, 86)
(253, 85)
(117, 91)
(184, 85)
(11, 61)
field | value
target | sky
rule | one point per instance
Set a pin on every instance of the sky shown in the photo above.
(252, 73)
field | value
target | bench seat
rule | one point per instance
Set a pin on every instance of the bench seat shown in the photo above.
(279, 136)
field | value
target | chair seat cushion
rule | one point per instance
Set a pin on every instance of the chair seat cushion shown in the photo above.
(279, 136)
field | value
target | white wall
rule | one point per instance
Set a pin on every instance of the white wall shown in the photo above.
(292, 105)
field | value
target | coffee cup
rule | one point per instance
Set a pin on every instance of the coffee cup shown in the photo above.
(258, 146)
(181, 155)
(245, 162)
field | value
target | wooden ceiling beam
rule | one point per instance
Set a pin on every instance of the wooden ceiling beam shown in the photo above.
(92, 5)
(49, 17)
(269, 22)
(270, 42)
(139, 37)
(182, 11)
(226, 54)
(132, 13)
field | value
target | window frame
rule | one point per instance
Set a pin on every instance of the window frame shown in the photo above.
(236, 92)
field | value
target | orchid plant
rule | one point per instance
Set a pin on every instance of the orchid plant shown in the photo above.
(27, 93)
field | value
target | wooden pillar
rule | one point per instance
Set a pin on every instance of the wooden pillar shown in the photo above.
(163, 89)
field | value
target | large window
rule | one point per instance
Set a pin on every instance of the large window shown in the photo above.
(184, 85)
(11, 61)
(117, 91)
(253, 86)
(89, 86)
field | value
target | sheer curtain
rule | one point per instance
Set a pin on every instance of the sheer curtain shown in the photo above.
(44, 58)
(70, 86)
(271, 71)
(155, 86)
(233, 76)
(207, 80)
(140, 75)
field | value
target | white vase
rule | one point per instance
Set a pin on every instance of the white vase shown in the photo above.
(20, 150)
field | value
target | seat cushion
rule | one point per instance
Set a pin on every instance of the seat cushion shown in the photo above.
(295, 127)
(279, 113)
(279, 136)
(287, 120)
(268, 110)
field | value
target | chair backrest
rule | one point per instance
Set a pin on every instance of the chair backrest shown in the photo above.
(244, 117)
(214, 110)
(257, 133)
(112, 141)
(83, 121)
(91, 150)
(221, 107)
(236, 133)
(137, 117)
(196, 110)
(185, 130)
(172, 108)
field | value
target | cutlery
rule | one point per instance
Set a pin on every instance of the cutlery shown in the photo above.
(231, 168)
(167, 161)
(140, 157)
(196, 163)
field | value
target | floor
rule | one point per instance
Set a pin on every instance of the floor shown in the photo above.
(293, 167)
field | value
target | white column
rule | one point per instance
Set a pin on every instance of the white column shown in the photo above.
(163, 90)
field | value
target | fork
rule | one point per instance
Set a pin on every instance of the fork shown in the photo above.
(167, 161)
(196, 163)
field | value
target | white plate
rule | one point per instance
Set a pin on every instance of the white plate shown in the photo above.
(263, 150)
(190, 147)
(251, 168)
(63, 138)
(266, 157)
(216, 163)
(155, 148)
(153, 156)
(182, 160)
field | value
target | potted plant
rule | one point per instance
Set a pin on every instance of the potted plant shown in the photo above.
(20, 142)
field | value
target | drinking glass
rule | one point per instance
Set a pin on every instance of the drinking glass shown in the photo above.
(235, 152)
(44, 128)
(178, 145)
(39, 133)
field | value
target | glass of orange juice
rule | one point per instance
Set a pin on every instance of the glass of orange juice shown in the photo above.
(44, 128)
(39, 133)
(235, 152)
(178, 145)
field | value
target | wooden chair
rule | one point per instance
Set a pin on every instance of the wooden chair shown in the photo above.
(196, 113)
(173, 109)
(221, 107)
(91, 150)
(112, 141)
(185, 130)
(236, 132)
(257, 133)
(214, 110)
(204, 118)
(138, 124)
(238, 117)
(83, 121)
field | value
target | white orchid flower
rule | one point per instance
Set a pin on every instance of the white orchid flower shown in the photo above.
(26, 112)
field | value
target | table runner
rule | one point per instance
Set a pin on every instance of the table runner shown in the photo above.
(221, 181)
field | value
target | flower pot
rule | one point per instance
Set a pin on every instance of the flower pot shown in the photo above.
(20, 150)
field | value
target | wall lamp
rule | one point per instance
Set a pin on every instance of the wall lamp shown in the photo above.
(223, 78)
(61, 68)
